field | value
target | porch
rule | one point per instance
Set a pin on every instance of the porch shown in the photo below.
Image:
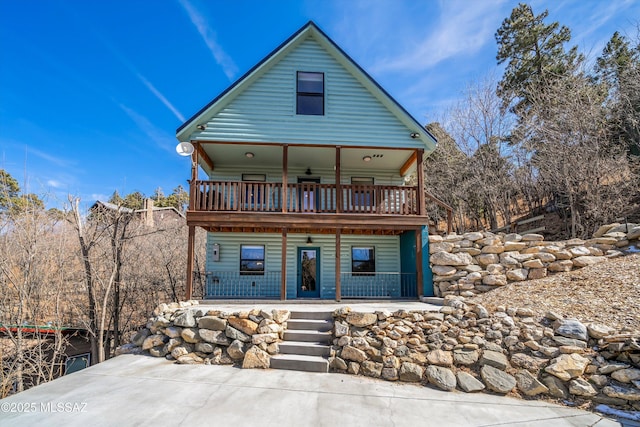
(226, 285)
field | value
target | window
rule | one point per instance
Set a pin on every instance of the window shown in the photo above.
(310, 94)
(363, 260)
(77, 362)
(251, 260)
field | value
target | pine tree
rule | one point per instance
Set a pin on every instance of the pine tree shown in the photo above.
(535, 54)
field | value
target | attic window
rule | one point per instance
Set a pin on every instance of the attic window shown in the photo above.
(310, 94)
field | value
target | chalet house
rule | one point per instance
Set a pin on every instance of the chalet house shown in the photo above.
(306, 196)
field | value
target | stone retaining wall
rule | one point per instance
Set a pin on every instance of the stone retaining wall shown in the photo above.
(480, 261)
(189, 334)
(467, 348)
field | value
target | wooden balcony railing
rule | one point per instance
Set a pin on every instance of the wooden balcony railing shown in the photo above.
(229, 196)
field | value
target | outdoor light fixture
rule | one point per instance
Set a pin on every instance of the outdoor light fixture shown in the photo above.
(308, 171)
(185, 148)
(309, 241)
(249, 155)
(366, 159)
(202, 127)
(415, 135)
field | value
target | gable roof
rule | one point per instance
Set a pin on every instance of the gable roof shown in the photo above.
(186, 129)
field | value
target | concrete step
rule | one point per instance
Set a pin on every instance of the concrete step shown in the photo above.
(304, 348)
(295, 362)
(307, 336)
(309, 324)
(312, 315)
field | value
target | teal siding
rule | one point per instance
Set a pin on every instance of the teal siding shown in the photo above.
(265, 110)
(387, 253)
(327, 176)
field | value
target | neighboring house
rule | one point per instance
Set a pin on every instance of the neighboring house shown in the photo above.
(42, 360)
(151, 215)
(306, 157)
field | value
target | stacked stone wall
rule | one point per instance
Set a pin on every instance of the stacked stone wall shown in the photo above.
(466, 348)
(189, 335)
(478, 262)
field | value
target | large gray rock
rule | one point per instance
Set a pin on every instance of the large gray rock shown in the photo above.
(625, 393)
(446, 258)
(185, 320)
(440, 358)
(626, 375)
(236, 350)
(571, 328)
(598, 330)
(190, 335)
(256, 358)
(214, 337)
(372, 369)
(465, 356)
(340, 329)
(154, 341)
(529, 385)
(556, 387)
(517, 274)
(212, 322)
(411, 372)
(583, 261)
(205, 347)
(172, 331)
(567, 366)
(361, 319)
(441, 377)
(235, 334)
(280, 315)
(354, 354)
(140, 336)
(468, 382)
(497, 380)
(580, 387)
(258, 339)
(495, 359)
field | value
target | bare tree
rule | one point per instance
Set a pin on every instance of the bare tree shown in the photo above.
(575, 156)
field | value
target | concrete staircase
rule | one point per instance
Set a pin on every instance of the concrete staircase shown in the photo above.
(306, 343)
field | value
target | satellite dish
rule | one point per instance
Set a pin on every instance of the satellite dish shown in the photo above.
(185, 149)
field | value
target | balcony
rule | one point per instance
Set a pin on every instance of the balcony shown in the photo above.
(265, 197)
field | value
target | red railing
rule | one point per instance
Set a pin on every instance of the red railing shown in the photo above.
(304, 198)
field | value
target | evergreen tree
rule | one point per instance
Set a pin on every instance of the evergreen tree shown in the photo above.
(116, 199)
(534, 53)
(11, 200)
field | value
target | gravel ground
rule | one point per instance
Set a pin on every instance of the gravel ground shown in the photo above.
(607, 293)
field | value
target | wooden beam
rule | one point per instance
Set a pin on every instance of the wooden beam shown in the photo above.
(419, 272)
(283, 274)
(190, 254)
(205, 157)
(407, 165)
(422, 208)
(338, 183)
(338, 285)
(194, 178)
(285, 180)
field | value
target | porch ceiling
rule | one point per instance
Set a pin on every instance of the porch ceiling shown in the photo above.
(270, 156)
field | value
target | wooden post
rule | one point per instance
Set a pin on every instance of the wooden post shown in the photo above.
(422, 208)
(338, 183)
(285, 180)
(338, 285)
(449, 221)
(283, 274)
(194, 177)
(419, 272)
(190, 253)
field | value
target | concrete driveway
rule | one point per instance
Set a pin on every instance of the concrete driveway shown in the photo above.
(140, 390)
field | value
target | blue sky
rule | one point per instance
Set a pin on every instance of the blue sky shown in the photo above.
(91, 92)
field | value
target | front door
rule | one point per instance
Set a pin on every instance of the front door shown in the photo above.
(308, 272)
